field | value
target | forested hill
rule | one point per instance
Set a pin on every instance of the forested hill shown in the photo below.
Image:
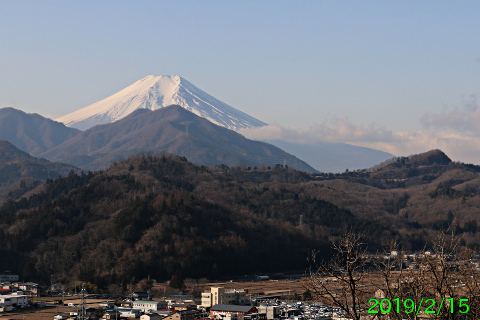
(155, 215)
(20, 172)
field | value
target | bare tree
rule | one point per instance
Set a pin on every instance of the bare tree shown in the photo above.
(440, 283)
(438, 278)
(341, 282)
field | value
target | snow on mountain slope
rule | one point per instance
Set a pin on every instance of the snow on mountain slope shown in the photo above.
(154, 92)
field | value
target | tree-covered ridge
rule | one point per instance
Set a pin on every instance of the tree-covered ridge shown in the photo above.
(155, 215)
(20, 172)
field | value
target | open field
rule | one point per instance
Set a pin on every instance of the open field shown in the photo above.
(49, 312)
(284, 286)
(254, 288)
(33, 314)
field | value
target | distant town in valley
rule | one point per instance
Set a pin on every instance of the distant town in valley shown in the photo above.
(322, 294)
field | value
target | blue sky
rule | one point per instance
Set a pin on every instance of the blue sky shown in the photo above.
(353, 71)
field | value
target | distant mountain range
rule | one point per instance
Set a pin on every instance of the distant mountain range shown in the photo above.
(40, 136)
(156, 92)
(334, 157)
(31, 132)
(172, 129)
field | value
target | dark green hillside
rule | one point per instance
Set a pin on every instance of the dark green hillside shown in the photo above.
(402, 172)
(154, 215)
(20, 172)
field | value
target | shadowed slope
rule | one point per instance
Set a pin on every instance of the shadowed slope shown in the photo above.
(32, 132)
(172, 129)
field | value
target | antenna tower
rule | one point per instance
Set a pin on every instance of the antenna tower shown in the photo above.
(83, 311)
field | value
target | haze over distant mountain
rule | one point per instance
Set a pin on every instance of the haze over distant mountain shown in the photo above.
(334, 157)
(31, 132)
(155, 92)
(172, 129)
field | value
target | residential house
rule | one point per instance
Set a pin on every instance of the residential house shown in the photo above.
(30, 288)
(151, 316)
(184, 306)
(58, 287)
(164, 313)
(219, 311)
(129, 313)
(181, 315)
(111, 314)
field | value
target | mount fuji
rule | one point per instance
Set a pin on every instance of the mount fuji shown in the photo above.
(155, 92)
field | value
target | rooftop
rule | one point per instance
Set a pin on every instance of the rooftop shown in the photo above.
(231, 308)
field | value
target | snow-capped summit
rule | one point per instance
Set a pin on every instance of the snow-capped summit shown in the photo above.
(154, 92)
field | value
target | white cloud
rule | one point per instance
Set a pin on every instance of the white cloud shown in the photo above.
(456, 132)
(337, 130)
(465, 119)
(459, 146)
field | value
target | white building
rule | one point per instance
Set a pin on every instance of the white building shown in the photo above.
(128, 313)
(146, 305)
(218, 295)
(14, 300)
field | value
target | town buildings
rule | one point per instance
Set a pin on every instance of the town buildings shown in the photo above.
(219, 295)
(14, 300)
